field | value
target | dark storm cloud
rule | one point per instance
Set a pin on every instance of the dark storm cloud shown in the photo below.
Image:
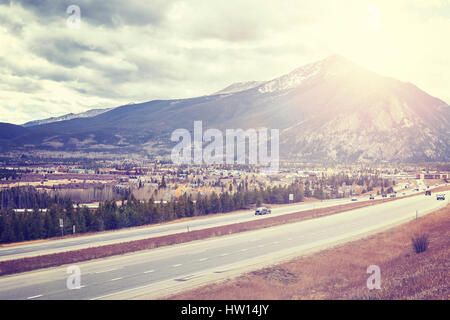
(13, 69)
(62, 51)
(20, 85)
(112, 13)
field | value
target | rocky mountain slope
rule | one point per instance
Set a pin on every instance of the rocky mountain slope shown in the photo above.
(329, 110)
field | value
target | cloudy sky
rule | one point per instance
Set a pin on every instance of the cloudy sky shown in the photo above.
(135, 51)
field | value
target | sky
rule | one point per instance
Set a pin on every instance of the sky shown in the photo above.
(120, 52)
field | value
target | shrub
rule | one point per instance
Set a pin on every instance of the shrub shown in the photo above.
(420, 243)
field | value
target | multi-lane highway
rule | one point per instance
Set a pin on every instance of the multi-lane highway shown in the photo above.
(53, 246)
(158, 272)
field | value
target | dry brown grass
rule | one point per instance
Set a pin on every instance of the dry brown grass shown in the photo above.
(340, 272)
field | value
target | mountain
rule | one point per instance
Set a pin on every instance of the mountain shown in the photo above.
(69, 116)
(11, 131)
(329, 110)
(240, 86)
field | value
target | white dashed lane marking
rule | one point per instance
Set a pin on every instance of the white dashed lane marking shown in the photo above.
(103, 271)
(115, 279)
(149, 271)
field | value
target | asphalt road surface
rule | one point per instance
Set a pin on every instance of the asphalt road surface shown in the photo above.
(53, 246)
(158, 272)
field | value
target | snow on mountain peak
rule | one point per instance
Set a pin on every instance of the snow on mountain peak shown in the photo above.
(329, 66)
(239, 86)
(69, 116)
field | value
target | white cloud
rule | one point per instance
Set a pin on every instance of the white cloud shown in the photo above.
(179, 49)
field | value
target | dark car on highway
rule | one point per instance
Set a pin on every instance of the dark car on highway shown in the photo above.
(440, 196)
(262, 210)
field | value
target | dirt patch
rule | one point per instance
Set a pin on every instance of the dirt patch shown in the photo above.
(277, 274)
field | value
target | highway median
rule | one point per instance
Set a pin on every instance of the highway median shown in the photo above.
(69, 257)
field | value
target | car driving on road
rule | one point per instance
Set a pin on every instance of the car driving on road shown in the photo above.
(262, 210)
(440, 196)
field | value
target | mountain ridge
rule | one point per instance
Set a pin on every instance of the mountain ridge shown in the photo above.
(330, 110)
(68, 116)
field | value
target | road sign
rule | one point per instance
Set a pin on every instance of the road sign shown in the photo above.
(291, 197)
(61, 223)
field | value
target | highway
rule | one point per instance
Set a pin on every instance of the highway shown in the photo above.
(159, 272)
(53, 246)
(104, 238)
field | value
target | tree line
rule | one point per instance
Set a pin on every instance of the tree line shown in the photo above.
(111, 215)
(9, 174)
(27, 198)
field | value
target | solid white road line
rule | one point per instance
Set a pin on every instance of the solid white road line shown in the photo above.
(34, 297)
(176, 265)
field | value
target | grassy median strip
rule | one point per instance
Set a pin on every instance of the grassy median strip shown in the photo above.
(74, 256)
(341, 272)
